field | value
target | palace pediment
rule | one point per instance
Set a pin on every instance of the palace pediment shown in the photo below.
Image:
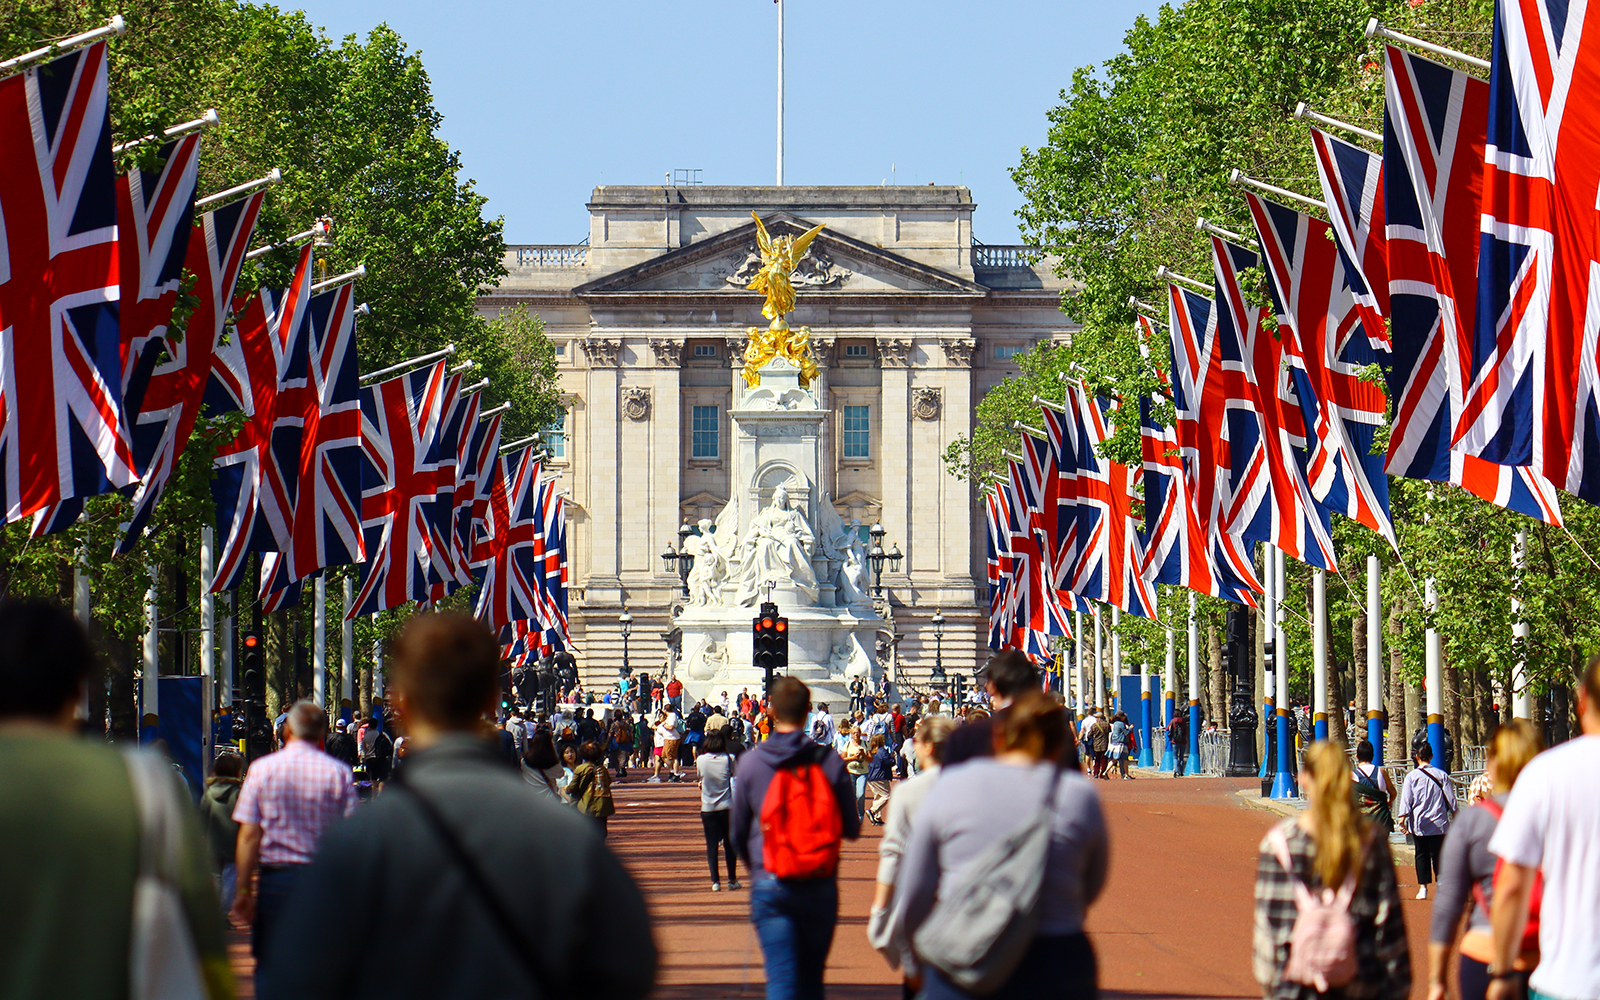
(837, 265)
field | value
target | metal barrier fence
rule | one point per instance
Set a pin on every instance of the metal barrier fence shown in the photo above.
(1214, 753)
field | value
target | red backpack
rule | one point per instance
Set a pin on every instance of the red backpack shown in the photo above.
(801, 827)
(1530, 931)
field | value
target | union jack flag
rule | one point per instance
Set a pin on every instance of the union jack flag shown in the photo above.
(261, 372)
(155, 213)
(1433, 169)
(1530, 377)
(1317, 309)
(553, 587)
(485, 461)
(328, 501)
(62, 431)
(442, 569)
(515, 568)
(400, 423)
(1033, 611)
(1111, 566)
(1352, 189)
(999, 565)
(1061, 497)
(1269, 499)
(1178, 549)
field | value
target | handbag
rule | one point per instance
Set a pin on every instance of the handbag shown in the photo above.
(978, 931)
(163, 960)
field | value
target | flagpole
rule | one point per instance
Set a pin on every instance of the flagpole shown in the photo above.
(347, 654)
(1099, 689)
(225, 642)
(1077, 662)
(1115, 667)
(1434, 676)
(206, 120)
(1319, 654)
(1374, 661)
(273, 176)
(286, 244)
(80, 611)
(116, 26)
(1375, 29)
(208, 646)
(1521, 704)
(319, 642)
(780, 93)
(1283, 783)
(1302, 110)
(342, 279)
(1194, 684)
(150, 667)
(1169, 695)
(448, 350)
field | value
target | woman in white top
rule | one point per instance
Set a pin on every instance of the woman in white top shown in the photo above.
(541, 768)
(716, 799)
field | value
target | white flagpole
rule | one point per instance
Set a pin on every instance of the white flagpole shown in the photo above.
(780, 93)
(226, 642)
(208, 646)
(1433, 674)
(1284, 784)
(1521, 704)
(319, 643)
(1078, 643)
(1374, 659)
(150, 686)
(1169, 695)
(116, 26)
(1099, 689)
(1115, 669)
(447, 351)
(377, 663)
(80, 611)
(347, 651)
(1319, 654)
(1194, 684)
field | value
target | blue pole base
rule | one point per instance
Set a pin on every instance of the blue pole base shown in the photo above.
(1166, 758)
(1266, 715)
(1194, 740)
(1146, 755)
(1319, 729)
(1436, 740)
(1375, 737)
(1283, 786)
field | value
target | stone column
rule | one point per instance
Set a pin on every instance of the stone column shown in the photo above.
(602, 467)
(893, 440)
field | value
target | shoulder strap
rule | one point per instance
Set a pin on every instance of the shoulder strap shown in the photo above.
(498, 913)
(1494, 808)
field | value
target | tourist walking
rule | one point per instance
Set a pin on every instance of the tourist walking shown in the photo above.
(1374, 791)
(715, 767)
(1100, 740)
(980, 804)
(1329, 845)
(621, 746)
(822, 728)
(540, 766)
(1466, 875)
(856, 759)
(880, 773)
(927, 744)
(1118, 742)
(1427, 801)
(794, 892)
(74, 816)
(288, 800)
(222, 830)
(456, 882)
(1007, 674)
(668, 735)
(590, 787)
(1549, 829)
(1178, 737)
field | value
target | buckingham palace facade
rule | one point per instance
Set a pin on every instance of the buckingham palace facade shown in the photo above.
(911, 323)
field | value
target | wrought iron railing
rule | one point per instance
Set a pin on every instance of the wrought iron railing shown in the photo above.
(553, 255)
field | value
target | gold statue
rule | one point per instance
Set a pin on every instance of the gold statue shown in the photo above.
(779, 258)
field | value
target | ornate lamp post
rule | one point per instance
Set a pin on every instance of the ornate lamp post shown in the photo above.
(937, 621)
(680, 558)
(625, 621)
(877, 557)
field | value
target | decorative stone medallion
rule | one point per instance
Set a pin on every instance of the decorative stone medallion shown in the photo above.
(925, 402)
(635, 402)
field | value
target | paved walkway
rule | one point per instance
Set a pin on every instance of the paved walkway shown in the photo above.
(1174, 921)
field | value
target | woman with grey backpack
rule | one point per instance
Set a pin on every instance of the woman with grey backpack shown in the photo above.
(1005, 857)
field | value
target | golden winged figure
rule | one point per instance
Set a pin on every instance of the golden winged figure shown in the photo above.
(779, 258)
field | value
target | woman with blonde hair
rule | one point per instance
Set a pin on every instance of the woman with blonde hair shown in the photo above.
(1466, 875)
(1331, 845)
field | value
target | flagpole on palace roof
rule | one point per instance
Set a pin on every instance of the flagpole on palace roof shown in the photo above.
(448, 350)
(115, 26)
(1375, 29)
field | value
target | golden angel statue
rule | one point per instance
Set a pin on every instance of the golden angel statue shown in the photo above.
(779, 258)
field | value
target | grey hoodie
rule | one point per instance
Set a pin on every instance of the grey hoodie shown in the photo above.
(754, 772)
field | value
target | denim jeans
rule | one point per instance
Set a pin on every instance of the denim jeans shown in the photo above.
(272, 893)
(794, 920)
(860, 781)
(1180, 760)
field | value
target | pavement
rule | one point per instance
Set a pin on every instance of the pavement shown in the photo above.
(1175, 919)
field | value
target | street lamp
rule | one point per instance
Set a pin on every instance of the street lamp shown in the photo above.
(680, 558)
(938, 642)
(878, 557)
(625, 620)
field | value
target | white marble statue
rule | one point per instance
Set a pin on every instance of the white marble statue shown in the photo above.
(847, 660)
(705, 662)
(776, 546)
(710, 569)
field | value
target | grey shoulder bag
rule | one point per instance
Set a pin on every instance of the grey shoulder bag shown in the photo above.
(983, 924)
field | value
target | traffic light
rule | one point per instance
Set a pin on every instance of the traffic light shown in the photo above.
(257, 729)
(770, 648)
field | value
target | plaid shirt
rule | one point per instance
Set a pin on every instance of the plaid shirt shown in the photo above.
(293, 795)
(1382, 954)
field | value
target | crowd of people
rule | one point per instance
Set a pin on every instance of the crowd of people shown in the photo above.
(443, 846)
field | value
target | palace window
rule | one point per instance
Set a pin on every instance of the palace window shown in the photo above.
(855, 350)
(554, 437)
(857, 431)
(703, 431)
(561, 350)
(705, 350)
(1005, 352)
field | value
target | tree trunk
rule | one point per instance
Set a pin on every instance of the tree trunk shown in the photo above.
(122, 709)
(1216, 678)
(279, 661)
(1395, 745)
(1452, 701)
(1336, 704)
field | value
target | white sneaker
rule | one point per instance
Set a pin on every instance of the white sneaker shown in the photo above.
(1422, 893)
(716, 887)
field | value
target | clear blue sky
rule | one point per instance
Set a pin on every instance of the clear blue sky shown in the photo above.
(547, 100)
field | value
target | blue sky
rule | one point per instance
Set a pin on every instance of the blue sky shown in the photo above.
(547, 100)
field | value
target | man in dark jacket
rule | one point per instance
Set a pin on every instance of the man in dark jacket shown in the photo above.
(794, 918)
(341, 745)
(1008, 673)
(469, 886)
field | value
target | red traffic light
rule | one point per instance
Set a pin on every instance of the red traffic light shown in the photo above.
(766, 623)
(781, 625)
(250, 642)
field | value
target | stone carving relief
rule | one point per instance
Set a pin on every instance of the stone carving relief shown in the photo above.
(959, 352)
(895, 353)
(600, 352)
(669, 353)
(925, 402)
(635, 402)
(816, 270)
(822, 351)
(736, 346)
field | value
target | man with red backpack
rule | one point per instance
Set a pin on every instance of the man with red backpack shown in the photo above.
(793, 803)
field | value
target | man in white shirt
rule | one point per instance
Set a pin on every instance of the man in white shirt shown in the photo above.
(669, 735)
(1549, 826)
(822, 728)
